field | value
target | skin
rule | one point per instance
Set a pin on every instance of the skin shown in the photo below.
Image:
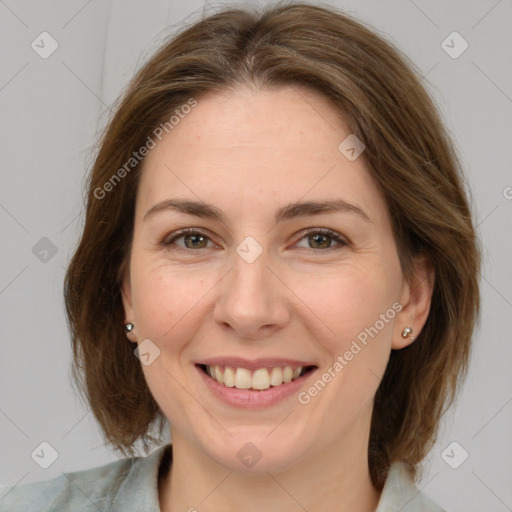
(249, 153)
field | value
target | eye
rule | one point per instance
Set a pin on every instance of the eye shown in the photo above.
(317, 239)
(192, 238)
(322, 238)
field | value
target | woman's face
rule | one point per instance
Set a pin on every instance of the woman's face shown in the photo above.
(257, 290)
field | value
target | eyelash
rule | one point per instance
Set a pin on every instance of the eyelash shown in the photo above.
(322, 231)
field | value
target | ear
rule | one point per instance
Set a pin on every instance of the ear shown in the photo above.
(126, 293)
(415, 299)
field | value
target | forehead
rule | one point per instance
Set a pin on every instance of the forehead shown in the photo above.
(258, 147)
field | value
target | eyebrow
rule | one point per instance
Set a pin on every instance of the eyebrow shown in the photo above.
(288, 212)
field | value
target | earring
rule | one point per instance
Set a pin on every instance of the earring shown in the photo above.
(406, 332)
(129, 327)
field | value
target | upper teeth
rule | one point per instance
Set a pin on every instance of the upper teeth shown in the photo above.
(262, 378)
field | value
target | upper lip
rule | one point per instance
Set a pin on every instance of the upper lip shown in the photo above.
(253, 364)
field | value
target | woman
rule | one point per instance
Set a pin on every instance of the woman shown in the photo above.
(278, 264)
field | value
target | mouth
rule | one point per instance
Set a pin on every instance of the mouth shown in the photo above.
(259, 379)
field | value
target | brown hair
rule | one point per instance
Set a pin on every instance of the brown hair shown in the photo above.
(378, 93)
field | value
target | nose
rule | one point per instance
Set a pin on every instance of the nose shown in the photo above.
(252, 300)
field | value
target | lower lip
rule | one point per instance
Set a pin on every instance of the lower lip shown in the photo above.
(254, 399)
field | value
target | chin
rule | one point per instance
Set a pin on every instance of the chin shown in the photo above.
(258, 453)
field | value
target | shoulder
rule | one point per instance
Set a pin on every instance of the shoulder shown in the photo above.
(100, 488)
(401, 494)
(89, 489)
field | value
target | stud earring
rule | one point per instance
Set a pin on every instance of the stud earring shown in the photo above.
(129, 327)
(406, 332)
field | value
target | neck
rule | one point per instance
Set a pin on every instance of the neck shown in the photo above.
(336, 479)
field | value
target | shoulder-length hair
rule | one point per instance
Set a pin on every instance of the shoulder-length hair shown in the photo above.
(379, 94)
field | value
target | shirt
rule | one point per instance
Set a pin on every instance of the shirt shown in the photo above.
(131, 485)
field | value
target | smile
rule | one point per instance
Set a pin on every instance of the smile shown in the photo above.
(259, 379)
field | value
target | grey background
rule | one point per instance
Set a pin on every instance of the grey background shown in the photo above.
(51, 113)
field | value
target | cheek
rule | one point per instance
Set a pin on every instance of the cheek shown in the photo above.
(351, 305)
(165, 298)
(167, 304)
